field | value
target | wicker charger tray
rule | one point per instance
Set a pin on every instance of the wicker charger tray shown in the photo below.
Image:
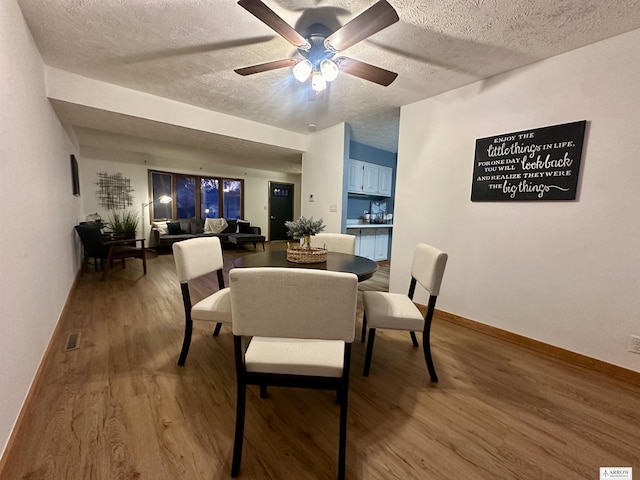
(306, 255)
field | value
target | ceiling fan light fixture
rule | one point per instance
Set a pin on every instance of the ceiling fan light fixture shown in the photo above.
(302, 70)
(317, 49)
(329, 70)
(318, 83)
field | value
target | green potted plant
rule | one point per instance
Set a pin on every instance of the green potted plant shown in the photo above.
(123, 224)
(304, 228)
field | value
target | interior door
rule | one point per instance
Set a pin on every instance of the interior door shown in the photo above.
(280, 209)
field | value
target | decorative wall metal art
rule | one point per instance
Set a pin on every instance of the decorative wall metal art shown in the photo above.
(114, 191)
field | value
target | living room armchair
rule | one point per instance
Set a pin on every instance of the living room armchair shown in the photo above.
(100, 247)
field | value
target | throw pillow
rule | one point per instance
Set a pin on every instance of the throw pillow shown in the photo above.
(185, 226)
(244, 226)
(162, 227)
(232, 226)
(173, 228)
(197, 226)
(215, 225)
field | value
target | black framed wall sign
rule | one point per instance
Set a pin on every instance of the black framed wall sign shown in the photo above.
(538, 164)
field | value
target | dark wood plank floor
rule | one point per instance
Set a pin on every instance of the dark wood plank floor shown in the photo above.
(120, 408)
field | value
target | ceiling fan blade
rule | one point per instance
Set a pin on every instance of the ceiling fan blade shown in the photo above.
(271, 18)
(377, 17)
(366, 71)
(265, 67)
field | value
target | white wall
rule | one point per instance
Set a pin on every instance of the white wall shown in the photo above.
(135, 167)
(38, 244)
(322, 176)
(564, 273)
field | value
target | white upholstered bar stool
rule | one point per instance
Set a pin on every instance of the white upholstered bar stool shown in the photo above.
(194, 258)
(335, 242)
(396, 311)
(301, 324)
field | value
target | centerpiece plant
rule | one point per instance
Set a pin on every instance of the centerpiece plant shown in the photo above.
(304, 228)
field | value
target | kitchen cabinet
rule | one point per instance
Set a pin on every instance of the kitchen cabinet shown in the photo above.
(355, 176)
(369, 179)
(370, 174)
(367, 243)
(381, 244)
(372, 243)
(385, 181)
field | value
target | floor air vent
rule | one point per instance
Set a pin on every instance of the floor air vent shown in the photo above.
(73, 342)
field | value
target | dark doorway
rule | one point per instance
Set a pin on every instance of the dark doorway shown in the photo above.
(280, 209)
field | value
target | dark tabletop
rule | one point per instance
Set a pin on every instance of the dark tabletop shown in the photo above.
(336, 262)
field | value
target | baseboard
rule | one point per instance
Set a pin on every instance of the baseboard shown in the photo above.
(558, 353)
(53, 343)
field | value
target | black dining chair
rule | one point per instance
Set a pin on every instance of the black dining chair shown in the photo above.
(335, 242)
(195, 258)
(299, 324)
(396, 311)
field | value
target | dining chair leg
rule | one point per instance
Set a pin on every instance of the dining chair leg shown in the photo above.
(426, 334)
(263, 391)
(364, 327)
(342, 443)
(239, 434)
(216, 331)
(414, 340)
(427, 356)
(186, 343)
(367, 359)
(188, 323)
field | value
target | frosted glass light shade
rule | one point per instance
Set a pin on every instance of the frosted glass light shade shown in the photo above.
(318, 83)
(329, 70)
(302, 70)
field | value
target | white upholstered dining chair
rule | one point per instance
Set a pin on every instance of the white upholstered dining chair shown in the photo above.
(335, 242)
(301, 323)
(396, 311)
(195, 258)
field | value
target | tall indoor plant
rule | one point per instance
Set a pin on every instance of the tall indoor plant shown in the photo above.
(123, 223)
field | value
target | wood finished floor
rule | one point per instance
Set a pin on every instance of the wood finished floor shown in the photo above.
(120, 408)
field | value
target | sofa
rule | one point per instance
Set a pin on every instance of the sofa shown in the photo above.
(166, 233)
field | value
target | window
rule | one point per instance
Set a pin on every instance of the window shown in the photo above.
(161, 187)
(232, 198)
(195, 197)
(185, 197)
(209, 201)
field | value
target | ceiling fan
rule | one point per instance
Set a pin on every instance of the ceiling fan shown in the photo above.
(320, 46)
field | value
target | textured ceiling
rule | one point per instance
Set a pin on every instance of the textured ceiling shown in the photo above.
(186, 50)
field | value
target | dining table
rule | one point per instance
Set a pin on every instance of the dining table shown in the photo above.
(362, 267)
